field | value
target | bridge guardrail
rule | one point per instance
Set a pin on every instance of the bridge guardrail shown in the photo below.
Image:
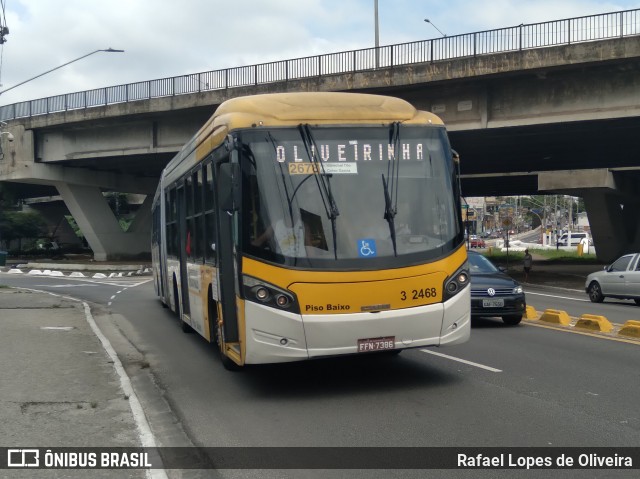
(521, 37)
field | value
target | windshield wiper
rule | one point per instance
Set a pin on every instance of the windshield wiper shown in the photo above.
(390, 186)
(323, 182)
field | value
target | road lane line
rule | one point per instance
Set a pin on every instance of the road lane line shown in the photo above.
(582, 333)
(460, 360)
(557, 297)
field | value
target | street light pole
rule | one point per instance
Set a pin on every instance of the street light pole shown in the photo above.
(439, 31)
(377, 32)
(377, 25)
(108, 50)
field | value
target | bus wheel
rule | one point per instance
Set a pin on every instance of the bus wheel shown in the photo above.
(185, 326)
(176, 299)
(227, 362)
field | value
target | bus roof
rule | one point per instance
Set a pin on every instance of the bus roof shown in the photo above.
(317, 107)
(291, 109)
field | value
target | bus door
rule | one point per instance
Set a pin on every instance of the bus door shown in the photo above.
(227, 254)
(184, 244)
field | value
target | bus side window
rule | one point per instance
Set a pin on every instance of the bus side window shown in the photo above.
(210, 233)
(198, 212)
(172, 226)
(190, 236)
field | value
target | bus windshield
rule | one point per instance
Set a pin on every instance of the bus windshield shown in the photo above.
(350, 197)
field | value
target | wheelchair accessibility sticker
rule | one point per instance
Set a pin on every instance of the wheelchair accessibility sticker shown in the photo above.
(367, 248)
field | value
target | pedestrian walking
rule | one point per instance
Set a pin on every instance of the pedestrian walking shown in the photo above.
(528, 260)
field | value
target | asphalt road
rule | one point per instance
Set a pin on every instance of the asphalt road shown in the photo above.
(508, 386)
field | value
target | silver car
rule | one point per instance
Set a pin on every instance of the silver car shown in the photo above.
(621, 279)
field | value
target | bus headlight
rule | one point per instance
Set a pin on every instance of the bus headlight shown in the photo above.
(456, 283)
(261, 292)
(282, 301)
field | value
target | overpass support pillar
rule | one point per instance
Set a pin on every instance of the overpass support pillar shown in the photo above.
(101, 228)
(612, 206)
(614, 221)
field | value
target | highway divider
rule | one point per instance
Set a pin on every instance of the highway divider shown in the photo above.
(588, 322)
(556, 316)
(593, 322)
(631, 328)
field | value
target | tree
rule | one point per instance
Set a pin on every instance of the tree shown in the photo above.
(6, 201)
(17, 225)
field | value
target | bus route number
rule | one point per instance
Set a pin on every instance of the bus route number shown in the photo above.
(416, 294)
(303, 168)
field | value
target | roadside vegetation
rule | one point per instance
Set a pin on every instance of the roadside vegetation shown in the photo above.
(551, 255)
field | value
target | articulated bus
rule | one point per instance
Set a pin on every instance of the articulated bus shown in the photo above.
(295, 226)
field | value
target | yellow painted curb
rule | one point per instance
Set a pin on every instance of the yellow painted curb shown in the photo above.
(556, 316)
(531, 313)
(630, 328)
(594, 323)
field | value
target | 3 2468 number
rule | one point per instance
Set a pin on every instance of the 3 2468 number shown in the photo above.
(419, 294)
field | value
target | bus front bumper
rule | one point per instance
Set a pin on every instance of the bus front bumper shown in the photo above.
(274, 336)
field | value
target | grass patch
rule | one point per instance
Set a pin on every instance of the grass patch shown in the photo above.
(4, 286)
(566, 256)
(553, 256)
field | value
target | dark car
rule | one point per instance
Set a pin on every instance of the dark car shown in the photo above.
(493, 293)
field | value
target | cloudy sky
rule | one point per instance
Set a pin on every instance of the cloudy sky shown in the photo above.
(164, 38)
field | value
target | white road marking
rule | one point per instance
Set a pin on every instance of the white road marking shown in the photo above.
(470, 363)
(64, 285)
(118, 283)
(144, 429)
(147, 439)
(557, 297)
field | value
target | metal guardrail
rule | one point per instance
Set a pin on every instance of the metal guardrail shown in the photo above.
(521, 37)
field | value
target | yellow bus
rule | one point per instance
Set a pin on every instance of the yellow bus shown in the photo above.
(295, 226)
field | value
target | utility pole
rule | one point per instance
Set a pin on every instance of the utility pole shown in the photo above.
(544, 220)
(557, 223)
(570, 213)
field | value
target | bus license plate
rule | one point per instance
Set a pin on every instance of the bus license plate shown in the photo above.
(376, 344)
(493, 303)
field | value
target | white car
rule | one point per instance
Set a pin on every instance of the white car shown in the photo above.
(621, 279)
(576, 239)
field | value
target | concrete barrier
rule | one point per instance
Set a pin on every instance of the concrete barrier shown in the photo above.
(531, 313)
(555, 316)
(630, 328)
(594, 322)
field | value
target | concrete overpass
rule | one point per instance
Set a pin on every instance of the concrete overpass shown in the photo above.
(535, 116)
